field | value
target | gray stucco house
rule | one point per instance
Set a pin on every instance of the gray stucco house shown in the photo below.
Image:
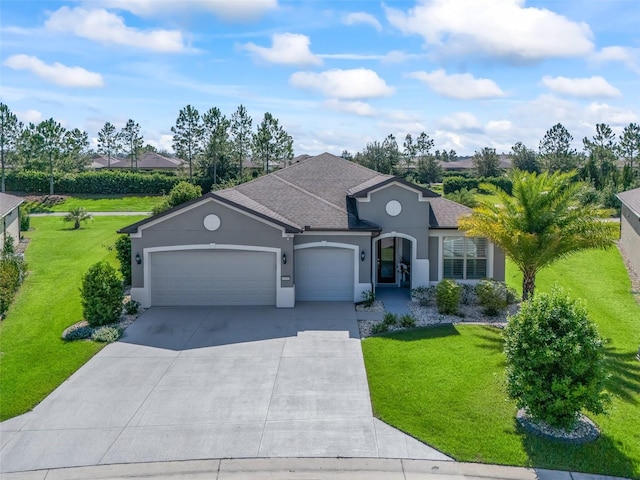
(10, 217)
(630, 226)
(323, 229)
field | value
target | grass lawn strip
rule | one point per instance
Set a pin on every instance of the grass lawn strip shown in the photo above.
(34, 359)
(444, 386)
(103, 203)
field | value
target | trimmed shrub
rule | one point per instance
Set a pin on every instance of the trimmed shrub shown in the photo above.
(448, 297)
(407, 321)
(102, 294)
(425, 296)
(182, 192)
(492, 296)
(79, 331)
(556, 362)
(12, 269)
(368, 297)
(25, 219)
(131, 307)
(453, 184)
(123, 253)
(106, 334)
(101, 182)
(9, 246)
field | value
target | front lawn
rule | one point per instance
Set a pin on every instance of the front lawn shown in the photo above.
(444, 386)
(101, 203)
(34, 360)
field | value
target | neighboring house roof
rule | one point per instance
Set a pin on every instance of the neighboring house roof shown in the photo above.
(8, 203)
(466, 163)
(148, 160)
(318, 193)
(631, 199)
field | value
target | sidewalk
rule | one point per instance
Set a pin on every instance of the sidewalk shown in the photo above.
(302, 469)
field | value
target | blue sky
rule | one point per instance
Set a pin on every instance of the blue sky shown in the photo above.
(470, 73)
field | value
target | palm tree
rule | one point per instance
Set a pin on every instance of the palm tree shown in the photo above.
(541, 223)
(77, 215)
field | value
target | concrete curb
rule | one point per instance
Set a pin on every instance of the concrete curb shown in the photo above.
(301, 469)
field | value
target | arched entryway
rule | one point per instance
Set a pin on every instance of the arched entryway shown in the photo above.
(393, 258)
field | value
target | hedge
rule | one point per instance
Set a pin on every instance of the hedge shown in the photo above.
(453, 184)
(103, 182)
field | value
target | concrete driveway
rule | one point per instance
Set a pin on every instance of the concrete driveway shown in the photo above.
(201, 383)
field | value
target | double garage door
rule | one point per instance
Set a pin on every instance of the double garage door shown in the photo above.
(213, 277)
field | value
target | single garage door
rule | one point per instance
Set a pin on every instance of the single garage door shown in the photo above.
(213, 277)
(324, 274)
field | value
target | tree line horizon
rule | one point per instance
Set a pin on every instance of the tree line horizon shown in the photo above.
(214, 147)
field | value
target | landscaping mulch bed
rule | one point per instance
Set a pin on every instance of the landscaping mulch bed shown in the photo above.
(583, 432)
(429, 316)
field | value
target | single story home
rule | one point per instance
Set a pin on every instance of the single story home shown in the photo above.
(630, 226)
(148, 161)
(10, 217)
(322, 229)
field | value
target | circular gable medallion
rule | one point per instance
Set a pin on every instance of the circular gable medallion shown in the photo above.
(212, 222)
(393, 208)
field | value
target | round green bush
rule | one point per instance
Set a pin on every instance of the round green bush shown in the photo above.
(448, 297)
(492, 296)
(555, 360)
(102, 294)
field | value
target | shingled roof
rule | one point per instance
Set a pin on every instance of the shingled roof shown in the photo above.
(631, 198)
(8, 203)
(318, 193)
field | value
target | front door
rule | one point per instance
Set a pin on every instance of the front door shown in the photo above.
(387, 260)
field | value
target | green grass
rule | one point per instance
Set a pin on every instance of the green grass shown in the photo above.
(444, 385)
(34, 359)
(102, 203)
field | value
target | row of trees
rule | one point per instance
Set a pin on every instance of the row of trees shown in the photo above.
(212, 144)
(218, 146)
(599, 162)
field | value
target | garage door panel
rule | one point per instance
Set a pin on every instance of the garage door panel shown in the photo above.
(324, 274)
(213, 277)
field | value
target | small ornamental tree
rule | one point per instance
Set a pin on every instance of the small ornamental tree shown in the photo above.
(102, 294)
(123, 252)
(77, 215)
(555, 360)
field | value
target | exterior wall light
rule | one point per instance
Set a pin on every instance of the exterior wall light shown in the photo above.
(362, 255)
(138, 258)
(284, 258)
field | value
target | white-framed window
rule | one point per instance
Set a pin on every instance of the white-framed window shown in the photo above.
(464, 258)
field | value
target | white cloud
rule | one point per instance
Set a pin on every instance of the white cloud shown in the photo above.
(498, 126)
(581, 87)
(358, 108)
(461, 121)
(462, 86)
(355, 18)
(496, 28)
(628, 56)
(30, 116)
(56, 73)
(240, 10)
(286, 49)
(603, 113)
(344, 84)
(105, 27)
